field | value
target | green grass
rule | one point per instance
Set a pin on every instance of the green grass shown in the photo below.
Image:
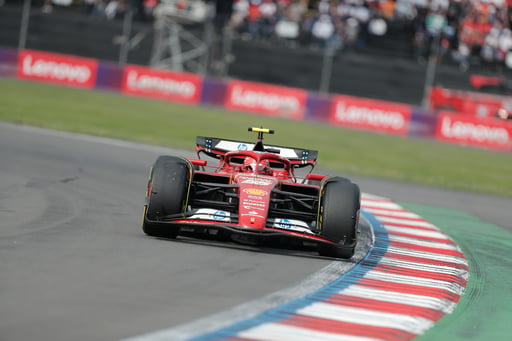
(168, 124)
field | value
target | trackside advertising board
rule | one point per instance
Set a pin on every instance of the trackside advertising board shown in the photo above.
(270, 100)
(468, 102)
(57, 68)
(373, 115)
(474, 131)
(468, 127)
(172, 86)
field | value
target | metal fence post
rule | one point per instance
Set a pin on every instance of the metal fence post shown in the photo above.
(325, 80)
(25, 18)
(127, 31)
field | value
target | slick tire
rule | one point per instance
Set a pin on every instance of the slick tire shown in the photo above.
(339, 217)
(167, 195)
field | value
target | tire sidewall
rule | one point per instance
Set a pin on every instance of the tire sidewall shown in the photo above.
(338, 217)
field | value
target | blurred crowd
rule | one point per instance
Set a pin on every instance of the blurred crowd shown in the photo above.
(323, 23)
(463, 31)
(108, 9)
(460, 31)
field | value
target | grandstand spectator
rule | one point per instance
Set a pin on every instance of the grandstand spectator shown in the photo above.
(240, 12)
(420, 45)
(94, 7)
(47, 7)
(268, 19)
(295, 10)
(322, 30)
(253, 18)
(115, 9)
(290, 15)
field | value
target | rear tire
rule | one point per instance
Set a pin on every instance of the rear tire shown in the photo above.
(339, 216)
(167, 195)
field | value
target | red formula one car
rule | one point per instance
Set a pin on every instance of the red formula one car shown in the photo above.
(252, 195)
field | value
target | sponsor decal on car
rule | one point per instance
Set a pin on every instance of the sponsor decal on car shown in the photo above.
(292, 224)
(234, 145)
(253, 214)
(211, 214)
(284, 223)
(257, 181)
(253, 205)
(220, 215)
(255, 191)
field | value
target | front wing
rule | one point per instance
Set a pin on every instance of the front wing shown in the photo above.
(220, 230)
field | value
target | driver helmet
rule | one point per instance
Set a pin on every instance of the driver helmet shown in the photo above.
(249, 164)
(264, 167)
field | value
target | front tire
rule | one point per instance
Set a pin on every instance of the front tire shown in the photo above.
(339, 217)
(167, 195)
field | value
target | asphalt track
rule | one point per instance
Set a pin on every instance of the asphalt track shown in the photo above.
(75, 265)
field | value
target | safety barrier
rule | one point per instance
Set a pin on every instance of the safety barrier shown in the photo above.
(263, 99)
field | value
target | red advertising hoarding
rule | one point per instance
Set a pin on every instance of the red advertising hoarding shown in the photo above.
(474, 131)
(57, 68)
(373, 115)
(172, 86)
(266, 99)
(468, 102)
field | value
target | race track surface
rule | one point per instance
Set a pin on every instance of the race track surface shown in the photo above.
(76, 266)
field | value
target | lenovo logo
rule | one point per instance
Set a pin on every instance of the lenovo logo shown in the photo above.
(369, 116)
(374, 115)
(263, 100)
(58, 69)
(172, 86)
(473, 132)
(266, 99)
(136, 81)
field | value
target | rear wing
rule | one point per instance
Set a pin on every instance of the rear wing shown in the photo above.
(217, 148)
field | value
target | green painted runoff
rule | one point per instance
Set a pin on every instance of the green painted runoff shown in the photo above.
(484, 311)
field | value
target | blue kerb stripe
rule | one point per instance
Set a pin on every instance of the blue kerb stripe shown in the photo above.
(284, 311)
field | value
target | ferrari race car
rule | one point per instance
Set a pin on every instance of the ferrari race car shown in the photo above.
(252, 195)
